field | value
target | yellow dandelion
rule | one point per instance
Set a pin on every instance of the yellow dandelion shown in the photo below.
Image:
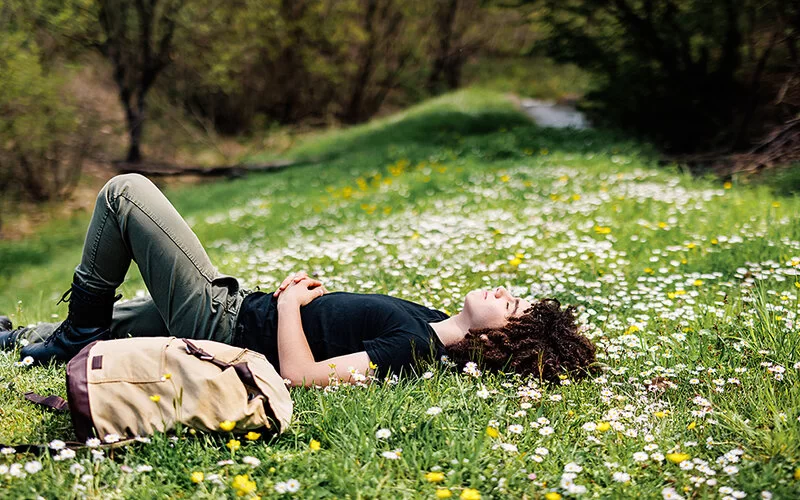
(776, 204)
(698, 282)
(470, 494)
(492, 432)
(691, 425)
(603, 426)
(155, 398)
(727, 185)
(516, 261)
(505, 178)
(197, 477)
(314, 445)
(243, 485)
(797, 473)
(234, 444)
(252, 436)
(660, 414)
(662, 225)
(434, 477)
(714, 241)
(677, 458)
(227, 425)
(443, 493)
(373, 366)
(552, 495)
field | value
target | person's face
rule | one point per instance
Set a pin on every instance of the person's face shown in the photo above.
(492, 308)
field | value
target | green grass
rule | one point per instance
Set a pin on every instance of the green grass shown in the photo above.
(675, 277)
(536, 77)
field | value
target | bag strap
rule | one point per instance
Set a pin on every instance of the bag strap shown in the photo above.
(205, 356)
(53, 402)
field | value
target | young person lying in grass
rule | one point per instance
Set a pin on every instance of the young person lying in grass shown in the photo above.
(307, 332)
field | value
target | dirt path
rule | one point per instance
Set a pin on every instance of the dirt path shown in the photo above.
(551, 114)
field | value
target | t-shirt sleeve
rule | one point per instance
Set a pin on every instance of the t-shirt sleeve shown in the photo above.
(397, 352)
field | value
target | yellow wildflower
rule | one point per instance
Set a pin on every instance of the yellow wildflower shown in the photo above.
(197, 477)
(234, 444)
(691, 425)
(552, 495)
(727, 185)
(714, 241)
(155, 398)
(492, 432)
(167, 376)
(443, 493)
(314, 445)
(252, 436)
(505, 178)
(697, 282)
(797, 473)
(243, 485)
(677, 458)
(516, 261)
(576, 197)
(660, 414)
(227, 425)
(434, 477)
(470, 494)
(690, 245)
(776, 204)
(603, 426)
(373, 366)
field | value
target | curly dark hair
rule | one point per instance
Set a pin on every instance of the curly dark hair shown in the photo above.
(543, 342)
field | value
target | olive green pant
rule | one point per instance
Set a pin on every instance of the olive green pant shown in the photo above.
(134, 221)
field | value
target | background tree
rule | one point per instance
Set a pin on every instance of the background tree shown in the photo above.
(456, 36)
(673, 68)
(136, 37)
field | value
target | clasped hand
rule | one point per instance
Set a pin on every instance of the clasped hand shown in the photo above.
(299, 289)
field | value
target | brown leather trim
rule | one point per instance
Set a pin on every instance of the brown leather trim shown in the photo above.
(246, 376)
(205, 356)
(97, 362)
(53, 402)
(78, 391)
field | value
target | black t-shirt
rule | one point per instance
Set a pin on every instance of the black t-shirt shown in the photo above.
(394, 332)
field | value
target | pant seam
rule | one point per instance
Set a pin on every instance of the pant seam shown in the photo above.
(172, 238)
(96, 243)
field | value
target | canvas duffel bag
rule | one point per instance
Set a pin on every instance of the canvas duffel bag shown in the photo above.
(137, 386)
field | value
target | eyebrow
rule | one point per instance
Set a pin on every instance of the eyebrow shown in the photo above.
(516, 305)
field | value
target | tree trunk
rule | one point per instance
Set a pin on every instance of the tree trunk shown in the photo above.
(445, 19)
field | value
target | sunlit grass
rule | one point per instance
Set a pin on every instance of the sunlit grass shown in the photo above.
(689, 288)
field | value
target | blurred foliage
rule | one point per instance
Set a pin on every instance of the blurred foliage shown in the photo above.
(245, 63)
(688, 74)
(43, 137)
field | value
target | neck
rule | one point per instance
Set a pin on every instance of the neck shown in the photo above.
(452, 330)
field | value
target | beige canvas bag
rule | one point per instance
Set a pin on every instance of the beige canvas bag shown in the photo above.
(136, 386)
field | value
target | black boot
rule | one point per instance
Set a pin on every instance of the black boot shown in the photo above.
(86, 310)
(8, 336)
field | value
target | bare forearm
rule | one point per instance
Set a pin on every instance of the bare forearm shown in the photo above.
(293, 351)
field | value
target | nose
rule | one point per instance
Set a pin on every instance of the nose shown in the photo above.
(500, 291)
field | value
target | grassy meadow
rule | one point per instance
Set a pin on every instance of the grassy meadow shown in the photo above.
(688, 286)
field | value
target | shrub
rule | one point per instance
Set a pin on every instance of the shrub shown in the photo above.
(42, 138)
